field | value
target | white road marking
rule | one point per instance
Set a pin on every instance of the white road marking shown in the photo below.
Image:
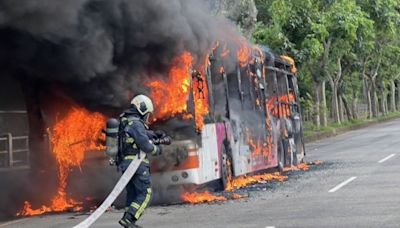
(270, 227)
(387, 158)
(342, 184)
(12, 222)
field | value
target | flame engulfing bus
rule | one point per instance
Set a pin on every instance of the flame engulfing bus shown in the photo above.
(253, 122)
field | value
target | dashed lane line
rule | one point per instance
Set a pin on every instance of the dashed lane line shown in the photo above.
(342, 184)
(386, 158)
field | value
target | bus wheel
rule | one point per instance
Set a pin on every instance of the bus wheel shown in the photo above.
(281, 156)
(294, 151)
(226, 168)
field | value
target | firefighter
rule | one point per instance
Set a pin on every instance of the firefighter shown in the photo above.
(135, 136)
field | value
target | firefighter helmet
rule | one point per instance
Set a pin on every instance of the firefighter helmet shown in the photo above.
(143, 104)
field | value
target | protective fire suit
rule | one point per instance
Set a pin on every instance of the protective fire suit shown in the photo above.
(134, 136)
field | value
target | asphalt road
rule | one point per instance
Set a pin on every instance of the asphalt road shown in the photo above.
(357, 186)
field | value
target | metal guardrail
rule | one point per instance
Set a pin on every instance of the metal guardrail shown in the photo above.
(11, 157)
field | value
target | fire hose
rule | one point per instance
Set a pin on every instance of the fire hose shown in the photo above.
(118, 188)
(158, 138)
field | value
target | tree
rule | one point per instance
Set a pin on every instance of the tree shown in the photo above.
(287, 28)
(386, 17)
(353, 45)
(319, 34)
(339, 30)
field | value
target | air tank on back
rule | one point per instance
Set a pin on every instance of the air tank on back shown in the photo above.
(112, 137)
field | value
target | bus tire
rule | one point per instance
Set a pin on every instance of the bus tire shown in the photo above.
(281, 156)
(226, 167)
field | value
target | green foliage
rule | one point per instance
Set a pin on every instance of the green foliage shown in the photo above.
(306, 101)
(364, 34)
(271, 37)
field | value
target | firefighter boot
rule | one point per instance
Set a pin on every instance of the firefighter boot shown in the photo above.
(128, 221)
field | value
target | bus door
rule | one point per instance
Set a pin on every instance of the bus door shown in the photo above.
(285, 99)
(271, 107)
(296, 117)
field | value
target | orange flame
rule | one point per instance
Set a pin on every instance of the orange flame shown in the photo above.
(257, 147)
(316, 162)
(171, 96)
(303, 166)
(225, 52)
(200, 94)
(207, 61)
(284, 108)
(78, 132)
(221, 70)
(260, 52)
(244, 53)
(196, 198)
(243, 181)
(238, 196)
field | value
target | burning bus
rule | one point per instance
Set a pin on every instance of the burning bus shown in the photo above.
(235, 113)
(231, 110)
(251, 122)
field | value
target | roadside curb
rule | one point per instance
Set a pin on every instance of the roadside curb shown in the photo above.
(323, 135)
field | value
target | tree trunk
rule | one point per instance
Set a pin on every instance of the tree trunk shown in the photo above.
(346, 106)
(392, 96)
(354, 110)
(323, 109)
(341, 109)
(334, 81)
(316, 111)
(365, 89)
(369, 103)
(335, 104)
(385, 102)
(354, 104)
(382, 103)
(374, 100)
(398, 95)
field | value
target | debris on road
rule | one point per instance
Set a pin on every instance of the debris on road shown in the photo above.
(233, 191)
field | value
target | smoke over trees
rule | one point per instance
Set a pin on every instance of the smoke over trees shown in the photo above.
(242, 12)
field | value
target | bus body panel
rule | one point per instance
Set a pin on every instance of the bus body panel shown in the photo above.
(245, 162)
(208, 157)
(250, 110)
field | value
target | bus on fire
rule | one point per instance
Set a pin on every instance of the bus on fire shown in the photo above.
(253, 123)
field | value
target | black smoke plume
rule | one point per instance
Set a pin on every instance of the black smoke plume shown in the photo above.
(97, 52)
(102, 51)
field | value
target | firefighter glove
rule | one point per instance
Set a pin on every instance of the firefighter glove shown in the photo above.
(166, 140)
